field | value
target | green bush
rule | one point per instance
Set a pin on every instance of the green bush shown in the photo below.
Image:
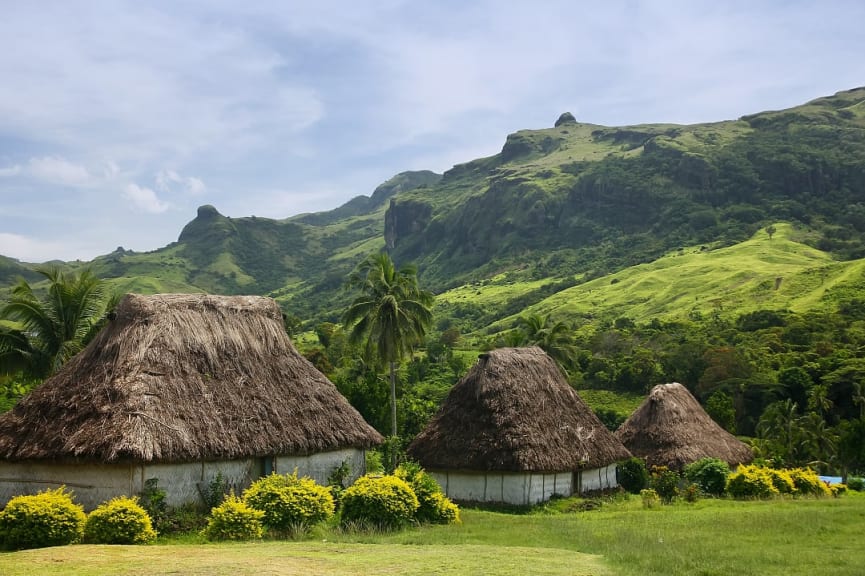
(441, 510)
(665, 482)
(782, 480)
(382, 501)
(234, 520)
(838, 489)
(751, 482)
(808, 482)
(289, 502)
(121, 520)
(650, 498)
(337, 481)
(374, 463)
(215, 491)
(633, 475)
(152, 499)
(49, 518)
(392, 453)
(691, 493)
(433, 506)
(710, 474)
(856, 484)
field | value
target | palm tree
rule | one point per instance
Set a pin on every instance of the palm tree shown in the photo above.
(554, 338)
(391, 315)
(818, 399)
(780, 425)
(50, 330)
(859, 398)
(818, 443)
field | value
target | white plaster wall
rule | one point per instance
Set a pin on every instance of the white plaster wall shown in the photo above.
(563, 484)
(514, 489)
(465, 487)
(510, 488)
(320, 466)
(185, 482)
(93, 484)
(598, 478)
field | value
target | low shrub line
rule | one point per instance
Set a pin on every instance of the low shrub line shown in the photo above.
(713, 477)
(274, 506)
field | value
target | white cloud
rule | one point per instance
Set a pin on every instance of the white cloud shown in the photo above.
(59, 171)
(145, 199)
(195, 186)
(272, 110)
(190, 184)
(29, 249)
(147, 81)
(164, 178)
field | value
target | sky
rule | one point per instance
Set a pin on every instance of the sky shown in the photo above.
(119, 118)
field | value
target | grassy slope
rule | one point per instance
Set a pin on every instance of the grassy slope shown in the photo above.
(733, 280)
(620, 402)
(710, 538)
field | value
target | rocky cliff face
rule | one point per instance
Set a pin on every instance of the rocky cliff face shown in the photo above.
(405, 218)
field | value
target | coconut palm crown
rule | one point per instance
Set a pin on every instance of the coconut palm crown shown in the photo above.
(390, 316)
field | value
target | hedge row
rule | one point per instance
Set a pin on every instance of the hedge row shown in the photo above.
(52, 518)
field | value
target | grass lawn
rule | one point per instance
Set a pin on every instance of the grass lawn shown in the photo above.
(712, 537)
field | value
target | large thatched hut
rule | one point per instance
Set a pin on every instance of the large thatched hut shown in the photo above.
(180, 388)
(513, 430)
(671, 429)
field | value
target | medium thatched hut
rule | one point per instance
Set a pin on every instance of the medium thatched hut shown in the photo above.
(671, 429)
(513, 430)
(180, 388)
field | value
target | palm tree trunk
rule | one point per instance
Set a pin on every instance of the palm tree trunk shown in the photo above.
(393, 399)
(393, 438)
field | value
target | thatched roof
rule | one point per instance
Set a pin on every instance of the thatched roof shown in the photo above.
(184, 377)
(514, 411)
(671, 429)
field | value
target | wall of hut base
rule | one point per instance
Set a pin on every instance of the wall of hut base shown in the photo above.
(597, 479)
(93, 484)
(522, 488)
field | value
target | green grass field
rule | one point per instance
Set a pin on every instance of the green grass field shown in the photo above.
(761, 273)
(711, 537)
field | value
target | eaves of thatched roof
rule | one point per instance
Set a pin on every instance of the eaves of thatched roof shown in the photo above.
(671, 429)
(184, 377)
(515, 411)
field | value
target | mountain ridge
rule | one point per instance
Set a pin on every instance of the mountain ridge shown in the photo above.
(574, 200)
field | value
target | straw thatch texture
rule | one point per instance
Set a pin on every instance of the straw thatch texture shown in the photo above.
(671, 429)
(185, 377)
(515, 412)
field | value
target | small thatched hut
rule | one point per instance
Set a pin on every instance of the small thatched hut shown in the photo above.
(180, 388)
(671, 429)
(513, 430)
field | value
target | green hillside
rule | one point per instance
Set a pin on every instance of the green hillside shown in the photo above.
(582, 198)
(760, 273)
(781, 273)
(577, 220)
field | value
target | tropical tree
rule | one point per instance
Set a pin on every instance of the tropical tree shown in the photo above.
(818, 399)
(554, 338)
(389, 317)
(859, 398)
(780, 425)
(42, 333)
